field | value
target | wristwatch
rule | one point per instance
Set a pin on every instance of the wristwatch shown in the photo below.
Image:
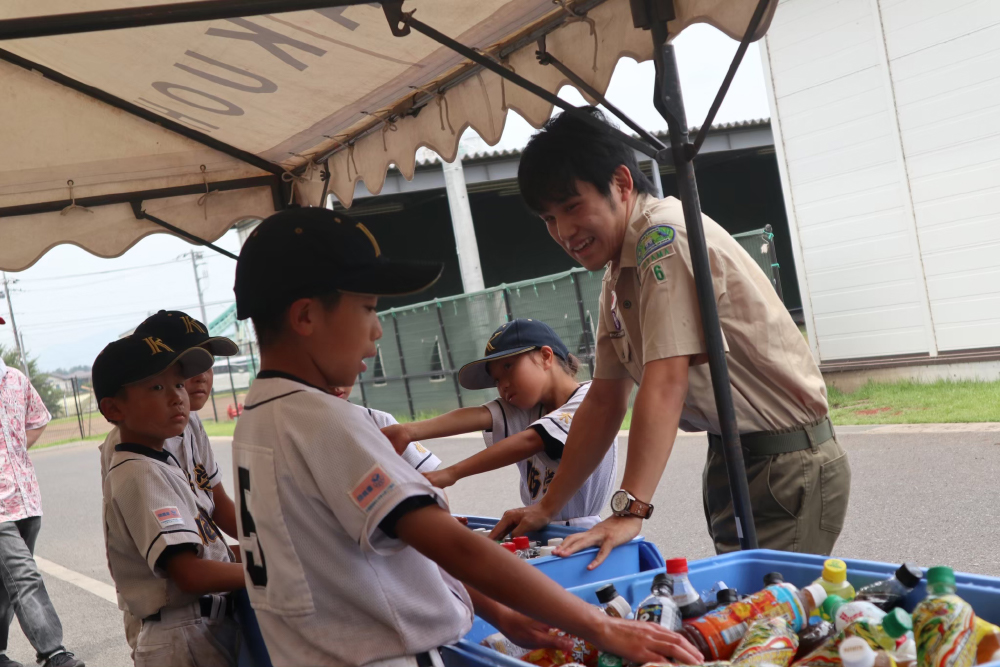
(624, 503)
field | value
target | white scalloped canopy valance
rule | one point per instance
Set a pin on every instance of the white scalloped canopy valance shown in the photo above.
(291, 89)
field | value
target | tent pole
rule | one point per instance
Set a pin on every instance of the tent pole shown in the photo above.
(670, 104)
(142, 215)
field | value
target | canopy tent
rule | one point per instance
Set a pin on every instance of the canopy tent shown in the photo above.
(131, 117)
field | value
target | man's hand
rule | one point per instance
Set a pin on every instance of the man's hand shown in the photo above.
(520, 521)
(443, 478)
(610, 533)
(399, 435)
(641, 643)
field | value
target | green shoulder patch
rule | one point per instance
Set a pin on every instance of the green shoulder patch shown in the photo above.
(653, 240)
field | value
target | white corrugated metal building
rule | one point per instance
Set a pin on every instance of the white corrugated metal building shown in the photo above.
(886, 119)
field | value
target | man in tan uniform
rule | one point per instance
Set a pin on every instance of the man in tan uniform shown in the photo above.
(588, 189)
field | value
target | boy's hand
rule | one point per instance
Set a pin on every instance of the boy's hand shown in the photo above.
(640, 642)
(521, 520)
(529, 633)
(399, 436)
(443, 478)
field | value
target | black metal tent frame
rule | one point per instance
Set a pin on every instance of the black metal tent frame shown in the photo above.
(651, 15)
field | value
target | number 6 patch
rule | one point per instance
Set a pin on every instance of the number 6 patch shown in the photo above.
(658, 273)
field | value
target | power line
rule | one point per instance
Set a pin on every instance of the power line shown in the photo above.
(99, 273)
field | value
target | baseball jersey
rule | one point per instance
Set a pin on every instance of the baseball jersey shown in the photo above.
(649, 310)
(537, 472)
(418, 456)
(149, 505)
(315, 479)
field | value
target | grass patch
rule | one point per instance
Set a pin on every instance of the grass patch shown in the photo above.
(67, 441)
(916, 403)
(219, 428)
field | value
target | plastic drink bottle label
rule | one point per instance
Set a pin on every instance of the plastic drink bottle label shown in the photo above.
(653, 612)
(945, 630)
(768, 641)
(723, 628)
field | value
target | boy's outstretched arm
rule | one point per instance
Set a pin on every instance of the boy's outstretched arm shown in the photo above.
(508, 451)
(456, 422)
(199, 576)
(498, 574)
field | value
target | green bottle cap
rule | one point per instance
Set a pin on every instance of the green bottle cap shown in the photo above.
(897, 623)
(941, 575)
(831, 605)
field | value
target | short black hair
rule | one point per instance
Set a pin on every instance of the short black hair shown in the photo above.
(568, 149)
(269, 324)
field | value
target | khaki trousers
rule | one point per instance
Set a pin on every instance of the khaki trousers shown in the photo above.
(183, 638)
(799, 499)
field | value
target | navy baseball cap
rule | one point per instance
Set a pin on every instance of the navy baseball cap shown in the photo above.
(307, 252)
(512, 338)
(181, 331)
(132, 359)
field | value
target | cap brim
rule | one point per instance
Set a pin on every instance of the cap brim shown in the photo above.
(192, 361)
(220, 346)
(473, 375)
(392, 278)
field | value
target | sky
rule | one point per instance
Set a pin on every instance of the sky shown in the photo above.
(71, 303)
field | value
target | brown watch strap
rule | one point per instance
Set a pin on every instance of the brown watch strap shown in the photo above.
(640, 509)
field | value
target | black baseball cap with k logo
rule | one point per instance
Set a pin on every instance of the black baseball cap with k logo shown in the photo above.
(307, 252)
(133, 359)
(181, 331)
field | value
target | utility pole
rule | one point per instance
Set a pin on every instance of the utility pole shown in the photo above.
(195, 257)
(13, 324)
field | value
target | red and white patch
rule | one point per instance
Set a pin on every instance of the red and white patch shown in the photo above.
(168, 516)
(371, 487)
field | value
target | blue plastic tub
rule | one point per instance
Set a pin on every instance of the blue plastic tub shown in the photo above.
(744, 571)
(635, 556)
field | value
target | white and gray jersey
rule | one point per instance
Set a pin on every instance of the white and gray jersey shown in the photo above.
(192, 450)
(418, 456)
(537, 472)
(315, 480)
(149, 506)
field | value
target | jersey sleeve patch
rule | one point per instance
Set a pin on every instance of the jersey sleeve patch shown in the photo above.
(372, 486)
(168, 516)
(654, 244)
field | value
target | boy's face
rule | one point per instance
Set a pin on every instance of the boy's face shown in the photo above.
(343, 337)
(589, 226)
(520, 379)
(152, 410)
(199, 388)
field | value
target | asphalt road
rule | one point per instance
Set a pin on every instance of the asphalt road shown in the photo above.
(929, 497)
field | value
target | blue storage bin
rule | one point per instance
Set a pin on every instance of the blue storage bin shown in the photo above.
(635, 556)
(745, 571)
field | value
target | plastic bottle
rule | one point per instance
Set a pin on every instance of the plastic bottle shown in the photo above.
(988, 644)
(608, 660)
(685, 595)
(889, 594)
(944, 624)
(614, 604)
(501, 644)
(834, 580)
(509, 546)
(767, 641)
(855, 652)
(724, 598)
(906, 654)
(523, 547)
(842, 613)
(884, 636)
(814, 636)
(717, 634)
(545, 551)
(660, 607)
(554, 542)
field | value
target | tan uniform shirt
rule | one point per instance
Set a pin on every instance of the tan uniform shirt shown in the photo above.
(649, 310)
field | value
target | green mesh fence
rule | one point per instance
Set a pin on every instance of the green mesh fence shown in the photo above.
(414, 374)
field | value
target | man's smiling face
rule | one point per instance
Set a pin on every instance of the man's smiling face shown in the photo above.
(588, 225)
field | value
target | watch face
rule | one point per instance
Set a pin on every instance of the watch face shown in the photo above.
(619, 501)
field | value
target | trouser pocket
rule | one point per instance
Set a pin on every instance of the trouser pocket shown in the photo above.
(835, 489)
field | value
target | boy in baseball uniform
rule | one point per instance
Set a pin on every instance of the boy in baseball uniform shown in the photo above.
(191, 450)
(166, 554)
(422, 459)
(351, 556)
(535, 377)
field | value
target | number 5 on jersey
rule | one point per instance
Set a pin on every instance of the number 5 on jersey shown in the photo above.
(254, 556)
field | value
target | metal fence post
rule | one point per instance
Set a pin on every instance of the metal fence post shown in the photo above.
(447, 351)
(364, 396)
(772, 255)
(506, 304)
(232, 386)
(583, 323)
(215, 411)
(402, 366)
(79, 409)
(253, 363)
